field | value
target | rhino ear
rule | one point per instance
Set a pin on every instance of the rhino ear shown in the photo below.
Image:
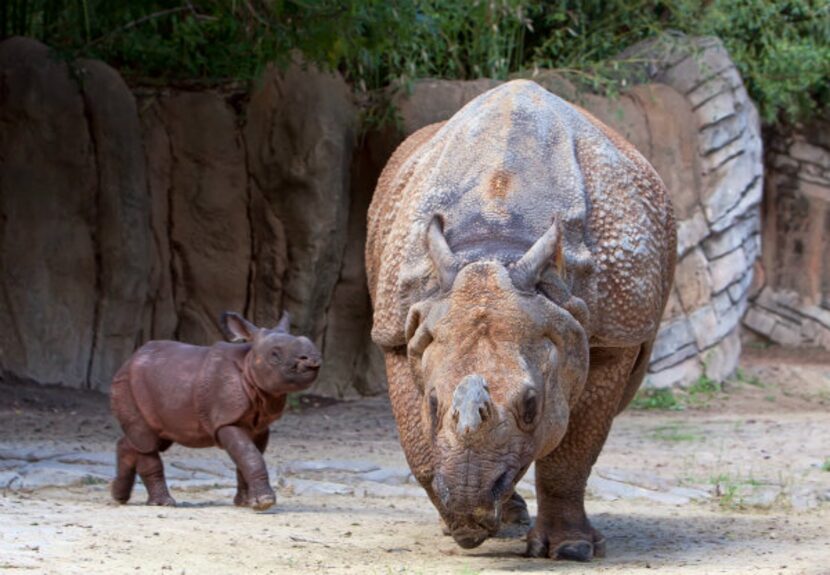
(237, 328)
(284, 325)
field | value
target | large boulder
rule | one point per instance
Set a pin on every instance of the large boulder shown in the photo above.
(75, 240)
(199, 186)
(123, 239)
(300, 134)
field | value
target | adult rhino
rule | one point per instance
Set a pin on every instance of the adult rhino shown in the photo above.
(519, 258)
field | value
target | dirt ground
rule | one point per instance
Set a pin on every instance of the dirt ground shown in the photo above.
(760, 450)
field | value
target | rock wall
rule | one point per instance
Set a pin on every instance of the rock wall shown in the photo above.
(127, 216)
(793, 306)
(719, 222)
(74, 241)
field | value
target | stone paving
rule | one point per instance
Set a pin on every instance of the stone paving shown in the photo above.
(31, 468)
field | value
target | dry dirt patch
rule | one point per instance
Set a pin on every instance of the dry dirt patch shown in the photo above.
(756, 453)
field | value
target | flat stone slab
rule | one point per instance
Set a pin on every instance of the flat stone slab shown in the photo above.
(342, 465)
(213, 467)
(88, 458)
(389, 476)
(381, 490)
(32, 454)
(613, 490)
(45, 474)
(310, 487)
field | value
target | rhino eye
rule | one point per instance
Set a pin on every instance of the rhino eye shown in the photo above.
(529, 407)
(274, 356)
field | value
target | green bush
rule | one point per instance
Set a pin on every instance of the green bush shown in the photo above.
(780, 46)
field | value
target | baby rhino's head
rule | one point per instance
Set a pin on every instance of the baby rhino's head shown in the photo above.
(279, 362)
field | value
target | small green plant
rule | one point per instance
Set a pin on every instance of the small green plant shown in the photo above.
(674, 433)
(742, 377)
(293, 401)
(91, 480)
(826, 465)
(664, 399)
(732, 490)
(704, 385)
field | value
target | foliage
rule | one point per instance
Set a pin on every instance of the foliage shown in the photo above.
(780, 46)
(650, 398)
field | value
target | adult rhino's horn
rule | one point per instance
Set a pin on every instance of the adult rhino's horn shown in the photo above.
(446, 266)
(528, 270)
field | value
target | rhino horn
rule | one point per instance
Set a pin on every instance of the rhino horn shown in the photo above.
(471, 405)
(528, 270)
(446, 265)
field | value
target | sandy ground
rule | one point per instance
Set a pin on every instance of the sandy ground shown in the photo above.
(758, 448)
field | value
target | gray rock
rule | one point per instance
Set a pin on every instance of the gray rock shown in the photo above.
(210, 467)
(10, 480)
(728, 269)
(309, 487)
(684, 372)
(671, 338)
(388, 475)
(349, 466)
(691, 231)
(381, 490)
(106, 458)
(45, 474)
(613, 490)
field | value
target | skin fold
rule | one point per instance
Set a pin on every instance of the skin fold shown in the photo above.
(225, 395)
(519, 258)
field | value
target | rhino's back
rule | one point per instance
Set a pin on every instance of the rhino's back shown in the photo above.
(163, 376)
(498, 172)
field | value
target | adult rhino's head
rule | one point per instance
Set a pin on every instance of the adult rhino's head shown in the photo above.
(277, 361)
(500, 365)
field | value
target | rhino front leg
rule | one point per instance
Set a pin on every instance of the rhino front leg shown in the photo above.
(249, 462)
(242, 498)
(562, 529)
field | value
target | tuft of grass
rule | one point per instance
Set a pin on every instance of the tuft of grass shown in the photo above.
(674, 433)
(293, 401)
(742, 377)
(91, 480)
(826, 465)
(663, 399)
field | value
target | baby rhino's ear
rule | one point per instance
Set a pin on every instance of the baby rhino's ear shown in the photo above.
(237, 328)
(285, 323)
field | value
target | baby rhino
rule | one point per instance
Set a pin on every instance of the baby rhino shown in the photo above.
(225, 395)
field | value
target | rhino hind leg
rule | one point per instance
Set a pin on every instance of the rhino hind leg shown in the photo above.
(125, 460)
(242, 497)
(562, 529)
(151, 470)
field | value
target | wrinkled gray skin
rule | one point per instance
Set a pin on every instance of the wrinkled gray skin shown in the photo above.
(519, 258)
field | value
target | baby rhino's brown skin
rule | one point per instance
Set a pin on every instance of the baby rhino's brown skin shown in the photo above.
(225, 395)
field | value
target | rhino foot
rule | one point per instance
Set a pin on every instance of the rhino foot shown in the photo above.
(262, 502)
(161, 500)
(514, 511)
(567, 545)
(259, 502)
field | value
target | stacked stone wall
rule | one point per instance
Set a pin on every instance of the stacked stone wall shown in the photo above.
(793, 305)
